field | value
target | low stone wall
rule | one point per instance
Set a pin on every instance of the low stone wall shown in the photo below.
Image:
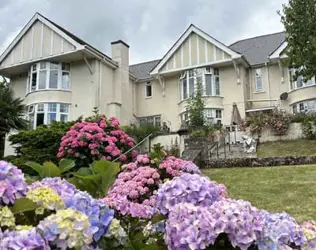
(258, 162)
(293, 133)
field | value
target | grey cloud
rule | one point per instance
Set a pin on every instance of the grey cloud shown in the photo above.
(150, 27)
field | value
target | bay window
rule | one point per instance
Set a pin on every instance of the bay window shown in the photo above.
(45, 113)
(207, 77)
(48, 75)
(308, 106)
(299, 81)
(213, 116)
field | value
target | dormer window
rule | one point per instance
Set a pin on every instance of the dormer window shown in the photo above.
(48, 75)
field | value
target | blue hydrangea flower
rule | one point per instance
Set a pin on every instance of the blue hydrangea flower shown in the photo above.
(12, 183)
(99, 214)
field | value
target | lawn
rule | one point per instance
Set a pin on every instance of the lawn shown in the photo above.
(288, 188)
(287, 148)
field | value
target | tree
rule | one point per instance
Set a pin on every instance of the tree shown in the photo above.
(196, 108)
(299, 19)
(11, 114)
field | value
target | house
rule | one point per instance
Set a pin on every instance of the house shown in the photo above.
(61, 77)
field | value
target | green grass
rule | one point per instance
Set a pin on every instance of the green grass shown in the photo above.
(287, 148)
(276, 189)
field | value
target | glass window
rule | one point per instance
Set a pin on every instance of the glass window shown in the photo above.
(191, 87)
(184, 89)
(208, 84)
(294, 108)
(148, 90)
(33, 81)
(259, 85)
(42, 79)
(218, 113)
(53, 76)
(66, 66)
(299, 82)
(65, 80)
(158, 121)
(45, 113)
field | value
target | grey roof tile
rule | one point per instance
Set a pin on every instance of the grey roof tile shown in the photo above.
(141, 70)
(257, 49)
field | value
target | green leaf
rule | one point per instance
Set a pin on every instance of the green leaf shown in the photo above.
(50, 170)
(23, 205)
(65, 165)
(108, 171)
(95, 178)
(158, 218)
(35, 166)
(83, 172)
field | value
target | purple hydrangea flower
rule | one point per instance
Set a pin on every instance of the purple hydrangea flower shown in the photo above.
(64, 189)
(189, 167)
(309, 229)
(99, 215)
(188, 188)
(21, 240)
(280, 231)
(12, 183)
(191, 227)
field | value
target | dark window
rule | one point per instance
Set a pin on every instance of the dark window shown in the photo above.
(148, 89)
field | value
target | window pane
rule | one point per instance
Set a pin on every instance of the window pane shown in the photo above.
(184, 89)
(51, 117)
(42, 79)
(65, 80)
(54, 66)
(65, 66)
(158, 121)
(63, 118)
(299, 82)
(40, 107)
(34, 67)
(217, 86)
(52, 107)
(39, 119)
(294, 108)
(191, 87)
(148, 90)
(259, 83)
(216, 72)
(218, 114)
(64, 108)
(301, 107)
(309, 83)
(208, 84)
(31, 119)
(53, 79)
(258, 72)
(43, 65)
(33, 84)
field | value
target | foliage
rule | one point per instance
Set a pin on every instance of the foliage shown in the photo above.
(278, 122)
(196, 108)
(299, 20)
(141, 131)
(103, 139)
(38, 145)
(12, 112)
(308, 124)
(209, 131)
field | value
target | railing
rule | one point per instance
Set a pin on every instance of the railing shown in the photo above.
(138, 144)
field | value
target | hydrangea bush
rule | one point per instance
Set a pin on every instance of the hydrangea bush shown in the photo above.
(90, 141)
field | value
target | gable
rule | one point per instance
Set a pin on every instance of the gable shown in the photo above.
(194, 48)
(39, 41)
(194, 51)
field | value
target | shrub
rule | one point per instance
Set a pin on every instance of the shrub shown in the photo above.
(140, 132)
(38, 145)
(103, 139)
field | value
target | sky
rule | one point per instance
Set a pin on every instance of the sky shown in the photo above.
(150, 27)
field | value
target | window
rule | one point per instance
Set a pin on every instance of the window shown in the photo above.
(148, 89)
(258, 79)
(49, 75)
(185, 117)
(208, 77)
(213, 116)
(299, 82)
(152, 120)
(305, 107)
(45, 113)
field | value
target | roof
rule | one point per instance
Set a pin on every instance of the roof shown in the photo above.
(141, 70)
(257, 49)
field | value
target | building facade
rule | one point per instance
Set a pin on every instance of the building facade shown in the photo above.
(61, 77)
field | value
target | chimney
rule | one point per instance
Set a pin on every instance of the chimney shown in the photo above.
(122, 105)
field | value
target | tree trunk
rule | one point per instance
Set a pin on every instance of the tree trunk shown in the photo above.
(2, 145)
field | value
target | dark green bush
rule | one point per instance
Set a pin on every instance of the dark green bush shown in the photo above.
(38, 145)
(308, 123)
(140, 132)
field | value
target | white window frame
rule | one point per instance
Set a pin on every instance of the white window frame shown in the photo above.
(293, 84)
(145, 119)
(304, 106)
(213, 114)
(148, 84)
(199, 72)
(47, 69)
(257, 77)
(33, 111)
